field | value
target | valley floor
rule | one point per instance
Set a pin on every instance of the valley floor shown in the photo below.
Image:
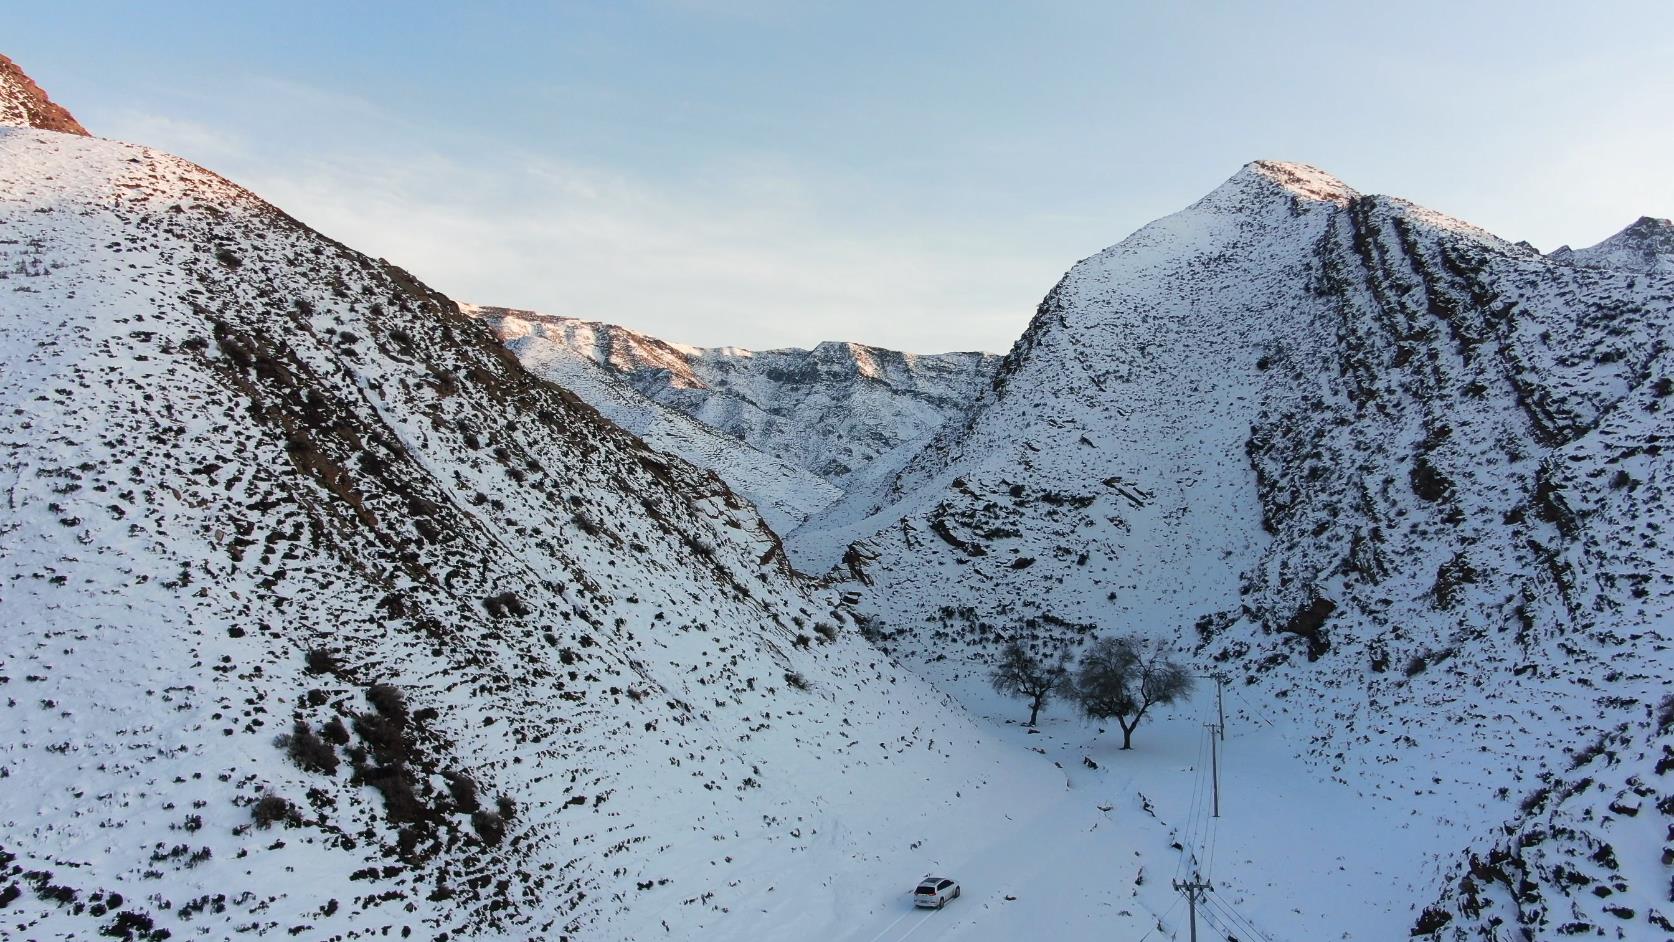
(1092, 854)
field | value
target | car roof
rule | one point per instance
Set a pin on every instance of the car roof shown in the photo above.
(933, 879)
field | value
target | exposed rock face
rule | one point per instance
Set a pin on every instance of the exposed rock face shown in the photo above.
(325, 618)
(24, 105)
(1406, 475)
(835, 410)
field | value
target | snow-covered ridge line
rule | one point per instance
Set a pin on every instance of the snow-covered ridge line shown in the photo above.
(783, 493)
(847, 412)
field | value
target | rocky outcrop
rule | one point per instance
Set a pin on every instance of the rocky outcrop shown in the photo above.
(23, 104)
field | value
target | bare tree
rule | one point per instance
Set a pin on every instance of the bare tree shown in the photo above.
(1021, 674)
(1122, 678)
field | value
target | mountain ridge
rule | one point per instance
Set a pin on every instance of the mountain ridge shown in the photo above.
(841, 410)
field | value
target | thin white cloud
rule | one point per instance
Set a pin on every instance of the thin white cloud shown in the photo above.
(744, 260)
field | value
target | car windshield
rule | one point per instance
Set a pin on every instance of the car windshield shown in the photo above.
(926, 890)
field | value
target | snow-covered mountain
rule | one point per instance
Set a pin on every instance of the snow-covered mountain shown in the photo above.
(1405, 481)
(1647, 245)
(784, 493)
(324, 618)
(844, 411)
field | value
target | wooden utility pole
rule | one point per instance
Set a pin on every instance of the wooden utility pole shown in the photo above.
(1220, 705)
(1220, 702)
(1194, 890)
(1215, 764)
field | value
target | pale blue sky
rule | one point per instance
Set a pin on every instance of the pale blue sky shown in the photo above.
(913, 175)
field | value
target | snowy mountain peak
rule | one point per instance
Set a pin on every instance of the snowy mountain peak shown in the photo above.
(1645, 245)
(23, 104)
(1294, 179)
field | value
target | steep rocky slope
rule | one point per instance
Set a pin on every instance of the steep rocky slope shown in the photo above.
(838, 410)
(326, 619)
(1402, 479)
(24, 105)
(784, 493)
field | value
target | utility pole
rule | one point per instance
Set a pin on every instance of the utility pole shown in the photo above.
(1220, 702)
(1215, 763)
(1194, 890)
(1220, 705)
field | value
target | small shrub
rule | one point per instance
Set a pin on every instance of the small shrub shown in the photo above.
(490, 827)
(389, 701)
(464, 791)
(272, 809)
(386, 737)
(309, 751)
(796, 680)
(335, 732)
(401, 801)
(321, 661)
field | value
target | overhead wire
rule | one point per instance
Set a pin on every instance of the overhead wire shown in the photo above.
(1231, 913)
(1183, 832)
(1161, 919)
(1188, 838)
(1259, 713)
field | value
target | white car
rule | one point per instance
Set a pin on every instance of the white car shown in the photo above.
(934, 892)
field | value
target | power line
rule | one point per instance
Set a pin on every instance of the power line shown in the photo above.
(1209, 865)
(1189, 831)
(1216, 924)
(1231, 913)
(1161, 919)
(1257, 710)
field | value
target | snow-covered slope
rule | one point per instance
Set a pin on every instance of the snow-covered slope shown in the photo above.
(835, 410)
(784, 493)
(326, 619)
(1402, 479)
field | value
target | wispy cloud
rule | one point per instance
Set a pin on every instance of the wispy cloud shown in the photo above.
(744, 256)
